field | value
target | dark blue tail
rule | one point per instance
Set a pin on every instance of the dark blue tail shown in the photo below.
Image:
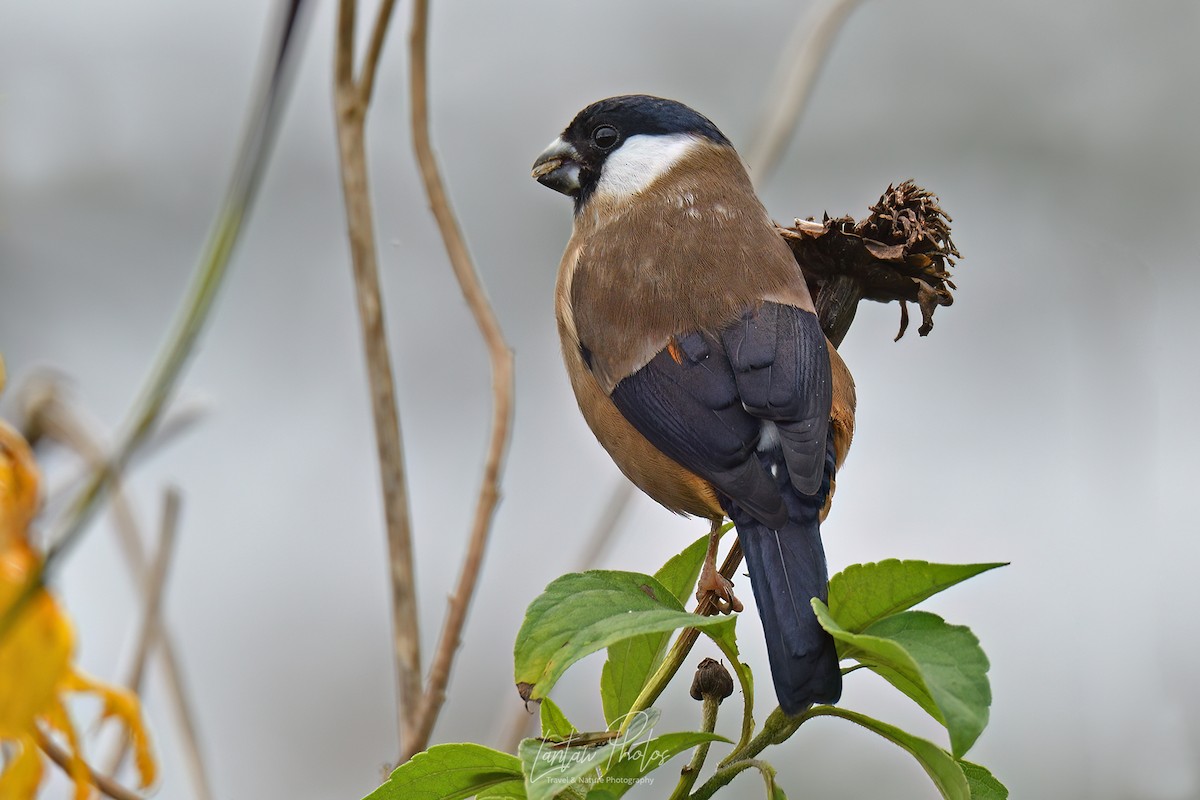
(787, 569)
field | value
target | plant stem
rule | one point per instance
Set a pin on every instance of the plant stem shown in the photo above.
(730, 651)
(151, 622)
(690, 773)
(107, 786)
(352, 99)
(501, 359)
(726, 774)
(777, 728)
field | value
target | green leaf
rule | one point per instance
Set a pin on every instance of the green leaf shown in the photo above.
(863, 594)
(954, 668)
(554, 722)
(984, 785)
(631, 662)
(940, 666)
(517, 793)
(945, 772)
(640, 759)
(915, 690)
(889, 659)
(581, 613)
(453, 772)
(551, 768)
(682, 570)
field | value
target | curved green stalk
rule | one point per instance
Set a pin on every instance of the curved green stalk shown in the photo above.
(194, 311)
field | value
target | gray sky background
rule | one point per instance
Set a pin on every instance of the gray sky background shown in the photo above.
(1049, 420)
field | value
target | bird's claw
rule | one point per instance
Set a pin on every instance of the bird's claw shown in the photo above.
(718, 590)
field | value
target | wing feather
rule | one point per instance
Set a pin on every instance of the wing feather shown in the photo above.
(704, 400)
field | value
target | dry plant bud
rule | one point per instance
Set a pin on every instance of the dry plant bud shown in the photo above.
(712, 680)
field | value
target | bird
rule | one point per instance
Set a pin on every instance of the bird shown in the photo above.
(697, 359)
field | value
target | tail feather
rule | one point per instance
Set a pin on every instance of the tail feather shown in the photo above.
(787, 568)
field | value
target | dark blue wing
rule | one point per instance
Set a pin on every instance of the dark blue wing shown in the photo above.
(703, 402)
(779, 358)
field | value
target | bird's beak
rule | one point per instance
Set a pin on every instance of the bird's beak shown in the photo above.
(558, 167)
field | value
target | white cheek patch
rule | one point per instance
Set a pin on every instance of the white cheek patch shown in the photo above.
(640, 161)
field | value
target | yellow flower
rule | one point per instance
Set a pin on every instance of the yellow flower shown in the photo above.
(36, 671)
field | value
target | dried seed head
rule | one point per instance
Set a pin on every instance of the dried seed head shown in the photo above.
(712, 680)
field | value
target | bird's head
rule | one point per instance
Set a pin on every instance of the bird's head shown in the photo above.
(621, 145)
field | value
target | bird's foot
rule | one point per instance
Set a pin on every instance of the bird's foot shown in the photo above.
(716, 588)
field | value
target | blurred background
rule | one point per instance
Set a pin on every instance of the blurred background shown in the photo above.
(1049, 420)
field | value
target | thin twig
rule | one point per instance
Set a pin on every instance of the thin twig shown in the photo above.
(793, 83)
(352, 100)
(366, 80)
(105, 784)
(148, 632)
(155, 581)
(501, 359)
(343, 56)
(185, 713)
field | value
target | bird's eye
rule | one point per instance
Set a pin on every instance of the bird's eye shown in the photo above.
(605, 137)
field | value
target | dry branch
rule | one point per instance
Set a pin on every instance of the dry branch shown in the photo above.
(107, 786)
(501, 359)
(419, 708)
(352, 99)
(151, 624)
